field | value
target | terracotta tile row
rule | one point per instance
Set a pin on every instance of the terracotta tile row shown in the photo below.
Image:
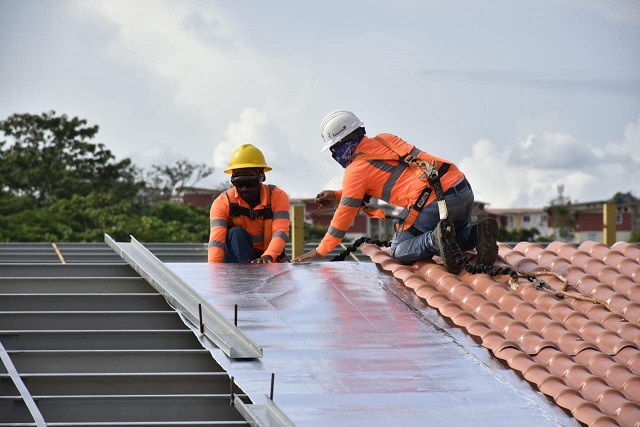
(581, 348)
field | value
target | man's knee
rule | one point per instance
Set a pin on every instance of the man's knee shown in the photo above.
(236, 233)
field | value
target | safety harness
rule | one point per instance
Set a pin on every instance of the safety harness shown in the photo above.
(423, 169)
(430, 172)
(266, 213)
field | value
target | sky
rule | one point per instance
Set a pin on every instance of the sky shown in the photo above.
(523, 96)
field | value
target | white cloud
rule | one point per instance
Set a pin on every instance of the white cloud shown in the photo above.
(613, 10)
(552, 151)
(237, 94)
(167, 80)
(167, 40)
(528, 175)
(159, 154)
(248, 129)
(630, 145)
(291, 170)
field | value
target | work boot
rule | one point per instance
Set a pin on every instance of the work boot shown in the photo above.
(446, 252)
(486, 246)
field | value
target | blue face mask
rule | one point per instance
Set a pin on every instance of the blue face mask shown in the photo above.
(342, 154)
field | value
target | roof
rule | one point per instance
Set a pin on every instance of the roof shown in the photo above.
(578, 352)
(348, 347)
(376, 343)
(84, 340)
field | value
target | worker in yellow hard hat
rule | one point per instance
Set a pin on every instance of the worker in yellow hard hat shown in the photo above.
(249, 221)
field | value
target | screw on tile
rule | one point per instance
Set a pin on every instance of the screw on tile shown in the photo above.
(235, 316)
(231, 393)
(273, 377)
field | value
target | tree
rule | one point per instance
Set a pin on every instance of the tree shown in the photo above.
(620, 198)
(634, 206)
(518, 235)
(51, 155)
(562, 215)
(163, 183)
(57, 185)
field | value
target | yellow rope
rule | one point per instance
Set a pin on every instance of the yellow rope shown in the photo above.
(60, 257)
(564, 293)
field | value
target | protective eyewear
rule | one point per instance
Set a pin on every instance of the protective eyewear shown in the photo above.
(246, 180)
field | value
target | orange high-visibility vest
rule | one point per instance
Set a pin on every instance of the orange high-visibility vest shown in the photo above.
(388, 179)
(267, 223)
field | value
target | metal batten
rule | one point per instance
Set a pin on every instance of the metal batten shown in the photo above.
(189, 303)
(22, 389)
(126, 359)
(267, 414)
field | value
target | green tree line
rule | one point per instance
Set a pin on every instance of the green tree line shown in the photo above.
(57, 185)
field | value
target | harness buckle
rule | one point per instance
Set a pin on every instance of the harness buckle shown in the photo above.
(429, 171)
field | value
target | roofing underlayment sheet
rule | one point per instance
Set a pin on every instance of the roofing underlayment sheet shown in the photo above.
(349, 345)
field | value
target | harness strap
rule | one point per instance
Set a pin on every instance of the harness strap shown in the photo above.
(237, 210)
(266, 213)
(268, 221)
(423, 169)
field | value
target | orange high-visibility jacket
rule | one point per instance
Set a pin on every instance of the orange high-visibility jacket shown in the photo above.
(270, 241)
(388, 180)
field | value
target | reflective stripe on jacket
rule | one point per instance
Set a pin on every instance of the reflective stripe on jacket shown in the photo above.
(221, 221)
(388, 180)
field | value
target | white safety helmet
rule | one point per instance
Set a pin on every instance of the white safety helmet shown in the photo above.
(335, 126)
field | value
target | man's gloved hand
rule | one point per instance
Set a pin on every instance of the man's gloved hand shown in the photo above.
(308, 256)
(264, 259)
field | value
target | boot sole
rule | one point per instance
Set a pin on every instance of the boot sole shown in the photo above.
(446, 251)
(487, 246)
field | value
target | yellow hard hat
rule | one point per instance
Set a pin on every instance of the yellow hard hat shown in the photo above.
(247, 156)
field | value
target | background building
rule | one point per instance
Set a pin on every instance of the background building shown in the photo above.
(523, 218)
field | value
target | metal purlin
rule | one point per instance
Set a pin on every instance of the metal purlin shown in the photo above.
(211, 323)
(186, 301)
(22, 389)
(267, 414)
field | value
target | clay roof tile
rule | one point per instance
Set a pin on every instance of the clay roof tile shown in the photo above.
(567, 338)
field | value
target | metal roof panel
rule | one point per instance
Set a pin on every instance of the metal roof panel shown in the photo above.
(347, 348)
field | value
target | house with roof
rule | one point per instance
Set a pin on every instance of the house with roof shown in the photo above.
(197, 196)
(512, 219)
(587, 220)
(362, 224)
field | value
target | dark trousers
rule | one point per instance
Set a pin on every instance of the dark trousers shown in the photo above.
(239, 248)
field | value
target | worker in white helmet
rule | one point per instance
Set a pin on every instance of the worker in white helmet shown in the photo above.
(390, 169)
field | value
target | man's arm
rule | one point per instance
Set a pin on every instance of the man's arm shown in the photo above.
(279, 225)
(218, 225)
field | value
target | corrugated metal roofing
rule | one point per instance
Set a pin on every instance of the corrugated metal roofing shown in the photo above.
(580, 353)
(94, 344)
